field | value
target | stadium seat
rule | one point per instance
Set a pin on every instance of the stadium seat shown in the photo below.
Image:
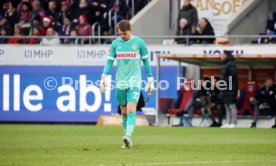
(165, 104)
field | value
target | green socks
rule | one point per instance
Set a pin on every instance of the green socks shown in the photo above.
(125, 124)
(131, 121)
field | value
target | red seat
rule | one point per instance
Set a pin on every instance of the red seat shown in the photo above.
(187, 96)
(250, 91)
(165, 104)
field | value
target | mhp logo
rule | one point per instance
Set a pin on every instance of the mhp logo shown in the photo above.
(38, 54)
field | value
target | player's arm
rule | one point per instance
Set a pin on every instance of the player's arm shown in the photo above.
(145, 59)
(108, 66)
(147, 67)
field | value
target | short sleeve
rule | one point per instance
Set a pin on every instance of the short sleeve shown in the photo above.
(112, 52)
(144, 50)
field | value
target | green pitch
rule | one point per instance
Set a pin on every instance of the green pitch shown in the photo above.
(85, 145)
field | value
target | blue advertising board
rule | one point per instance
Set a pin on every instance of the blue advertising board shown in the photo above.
(64, 93)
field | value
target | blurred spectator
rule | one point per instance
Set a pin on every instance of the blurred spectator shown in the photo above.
(65, 10)
(37, 12)
(65, 29)
(74, 4)
(24, 26)
(19, 5)
(204, 28)
(189, 109)
(54, 14)
(4, 24)
(46, 23)
(83, 9)
(74, 39)
(100, 14)
(183, 29)
(229, 96)
(3, 39)
(17, 36)
(271, 39)
(25, 11)
(36, 22)
(35, 32)
(51, 38)
(119, 7)
(84, 29)
(189, 12)
(264, 101)
(217, 103)
(204, 98)
(10, 13)
(102, 3)
(97, 13)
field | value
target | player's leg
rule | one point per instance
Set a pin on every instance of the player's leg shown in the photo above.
(121, 97)
(132, 98)
(131, 122)
(124, 114)
(131, 118)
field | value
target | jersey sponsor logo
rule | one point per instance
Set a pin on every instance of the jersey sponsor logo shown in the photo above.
(134, 47)
(127, 55)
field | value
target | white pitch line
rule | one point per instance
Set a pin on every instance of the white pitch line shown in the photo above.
(182, 163)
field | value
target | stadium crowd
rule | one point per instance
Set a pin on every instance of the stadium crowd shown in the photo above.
(55, 18)
(72, 18)
(189, 24)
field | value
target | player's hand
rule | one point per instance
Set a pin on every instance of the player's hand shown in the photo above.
(150, 86)
(103, 84)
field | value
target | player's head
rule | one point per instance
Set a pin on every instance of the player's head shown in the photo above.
(186, 2)
(226, 54)
(50, 31)
(268, 82)
(124, 29)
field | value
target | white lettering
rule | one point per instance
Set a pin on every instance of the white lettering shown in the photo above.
(27, 97)
(84, 89)
(71, 98)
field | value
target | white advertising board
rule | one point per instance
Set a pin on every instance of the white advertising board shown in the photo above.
(96, 55)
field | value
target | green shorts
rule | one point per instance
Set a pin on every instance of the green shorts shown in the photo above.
(127, 96)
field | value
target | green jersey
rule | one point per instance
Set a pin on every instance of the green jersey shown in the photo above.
(129, 55)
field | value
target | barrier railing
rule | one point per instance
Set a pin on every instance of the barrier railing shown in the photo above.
(236, 39)
(96, 30)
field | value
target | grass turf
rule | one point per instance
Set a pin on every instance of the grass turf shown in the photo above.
(85, 145)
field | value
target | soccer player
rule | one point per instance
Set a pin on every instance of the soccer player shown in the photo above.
(129, 51)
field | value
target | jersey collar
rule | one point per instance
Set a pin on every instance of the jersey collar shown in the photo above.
(132, 37)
